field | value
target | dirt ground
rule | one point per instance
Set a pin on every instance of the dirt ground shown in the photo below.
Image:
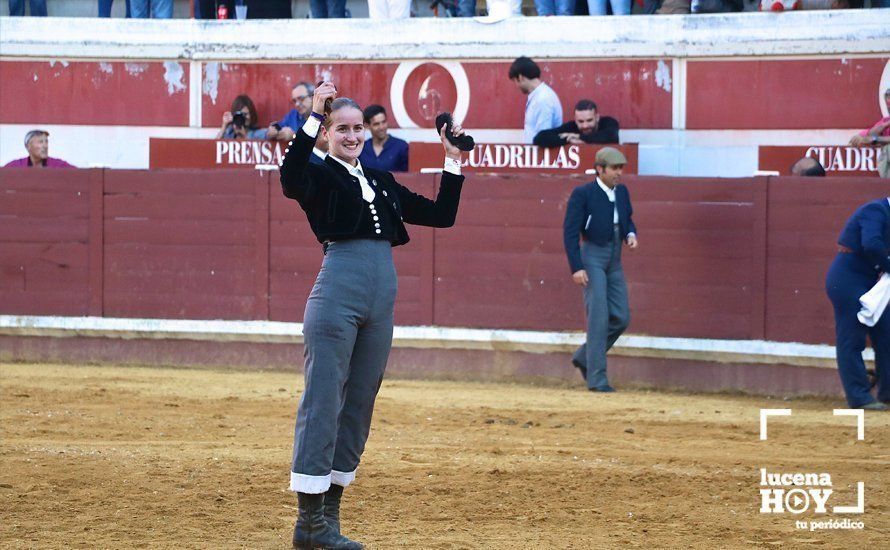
(104, 457)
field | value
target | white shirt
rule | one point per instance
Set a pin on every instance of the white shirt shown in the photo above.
(610, 193)
(543, 111)
(319, 153)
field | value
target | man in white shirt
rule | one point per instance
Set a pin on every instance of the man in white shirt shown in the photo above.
(542, 108)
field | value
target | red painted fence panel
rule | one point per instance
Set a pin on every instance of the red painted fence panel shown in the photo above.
(44, 241)
(718, 258)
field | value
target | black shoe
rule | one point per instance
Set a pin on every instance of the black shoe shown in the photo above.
(312, 531)
(603, 389)
(581, 368)
(332, 506)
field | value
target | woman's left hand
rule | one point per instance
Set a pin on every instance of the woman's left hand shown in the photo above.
(451, 150)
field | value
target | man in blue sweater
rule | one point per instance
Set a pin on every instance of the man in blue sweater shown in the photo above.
(598, 222)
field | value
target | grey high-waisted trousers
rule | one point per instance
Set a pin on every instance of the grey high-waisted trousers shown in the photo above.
(605, 299)
(347, 329)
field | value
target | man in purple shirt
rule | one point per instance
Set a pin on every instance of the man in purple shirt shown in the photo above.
(382, 151)
(37, 144)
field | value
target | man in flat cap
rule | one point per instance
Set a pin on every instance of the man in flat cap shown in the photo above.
(37, 144)
(598, 222)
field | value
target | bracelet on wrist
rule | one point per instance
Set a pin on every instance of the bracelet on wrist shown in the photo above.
(318, 116)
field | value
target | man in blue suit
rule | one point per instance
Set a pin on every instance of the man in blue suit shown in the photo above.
(863, 254)
(598, 222)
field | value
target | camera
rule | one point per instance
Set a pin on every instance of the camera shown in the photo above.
(239, 119)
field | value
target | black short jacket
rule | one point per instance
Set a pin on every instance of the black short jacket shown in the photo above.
(332, 198)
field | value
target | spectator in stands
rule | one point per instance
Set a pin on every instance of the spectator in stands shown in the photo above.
(17, 7)
(240, 122)
(389, 9)
(37, 144)
(466, 8)
(327, 9)
(879, 133)
(809, 167)
(320, 151)
(555, 7)
(301, 97)
(383, 152)
(105, 8)
(588, 127)
(156, 9)
(599, 7)
(542, 108)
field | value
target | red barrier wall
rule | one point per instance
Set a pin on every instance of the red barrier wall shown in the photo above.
(719, 258)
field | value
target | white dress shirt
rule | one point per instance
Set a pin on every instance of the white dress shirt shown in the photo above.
(610, 193)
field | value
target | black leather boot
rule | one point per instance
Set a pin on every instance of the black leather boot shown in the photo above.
(332, 506)
(312, 531)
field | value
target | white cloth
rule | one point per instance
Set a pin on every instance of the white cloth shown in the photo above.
(319, 153)
(389, 9)
(874, 302)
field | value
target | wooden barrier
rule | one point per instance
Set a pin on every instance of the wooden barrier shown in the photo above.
(718, 258)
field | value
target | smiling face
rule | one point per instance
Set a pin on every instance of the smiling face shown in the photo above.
(378, 126)
(302, 100)
(587, 120)
(345, 134)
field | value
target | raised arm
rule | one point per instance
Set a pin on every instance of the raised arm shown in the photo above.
(441, 212)
(295, 182)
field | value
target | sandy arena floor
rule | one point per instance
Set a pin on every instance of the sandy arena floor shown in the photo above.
(101, 457)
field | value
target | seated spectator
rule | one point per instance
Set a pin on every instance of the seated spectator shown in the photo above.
(105, 8)
(383, 151)
(809, 167)
(542, 108)
(599, 7)
(320, 151)
(240, 122)
(301, 97)
(879, 133)
(17, 8)
(588, 127)
(555, 7)
(37, 144)
(155, 9)
(327, 9)
(389, 9)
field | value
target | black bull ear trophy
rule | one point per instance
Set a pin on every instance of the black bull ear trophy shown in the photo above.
(464, 142)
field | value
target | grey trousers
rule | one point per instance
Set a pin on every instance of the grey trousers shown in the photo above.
(608, 313)
(347, 330)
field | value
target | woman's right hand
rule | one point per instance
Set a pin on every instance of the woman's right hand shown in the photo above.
(227, 119)
(325, 91)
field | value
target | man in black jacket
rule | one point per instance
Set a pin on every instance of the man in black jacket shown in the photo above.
(599, 220)
(588, 127)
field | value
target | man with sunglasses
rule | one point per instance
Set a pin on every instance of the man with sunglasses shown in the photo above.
(301, 97)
